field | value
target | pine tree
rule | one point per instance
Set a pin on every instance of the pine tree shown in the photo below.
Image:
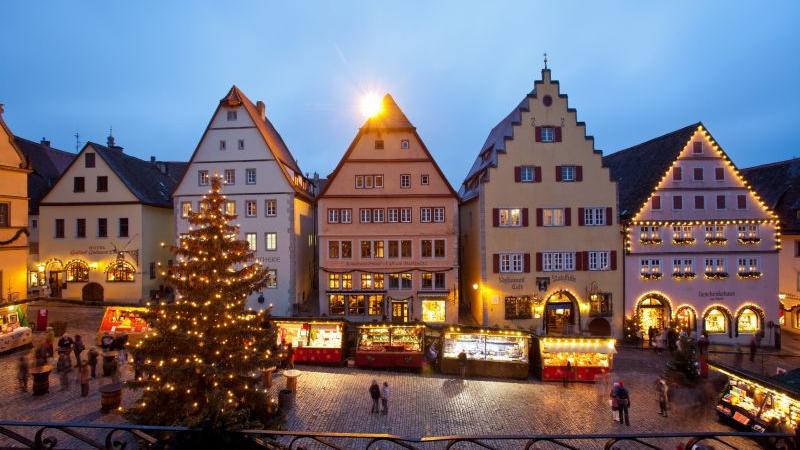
(203, 349)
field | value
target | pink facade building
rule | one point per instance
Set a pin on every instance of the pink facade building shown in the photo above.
(388, 229)
(701, 246)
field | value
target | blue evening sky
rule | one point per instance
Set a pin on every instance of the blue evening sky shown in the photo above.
(155, 70)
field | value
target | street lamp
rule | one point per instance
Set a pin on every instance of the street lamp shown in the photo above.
(475, 286)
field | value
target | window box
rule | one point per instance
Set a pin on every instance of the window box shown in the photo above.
(749, 240)
(749, 275)
(683, 241)
(716, 240)
(716, 275)
(651, 241)
(684, 275)
(651, 276)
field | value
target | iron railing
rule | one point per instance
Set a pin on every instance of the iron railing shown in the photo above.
(58, 435)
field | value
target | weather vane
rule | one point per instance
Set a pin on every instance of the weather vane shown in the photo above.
(545, 60)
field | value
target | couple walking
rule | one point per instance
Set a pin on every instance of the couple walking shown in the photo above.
(379, 393)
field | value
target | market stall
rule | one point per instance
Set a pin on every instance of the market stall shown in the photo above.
(390, 345)
(123, 320)
(14, 329)
(575, 358)
(313, 341)
(490, 352)
(759, 403)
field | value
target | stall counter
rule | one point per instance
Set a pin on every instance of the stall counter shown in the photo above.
(490, 352)
(588, 358)
(390, 346)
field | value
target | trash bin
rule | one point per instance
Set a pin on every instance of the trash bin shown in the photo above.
(285, 399)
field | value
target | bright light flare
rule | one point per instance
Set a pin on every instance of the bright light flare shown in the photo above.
(371, 104)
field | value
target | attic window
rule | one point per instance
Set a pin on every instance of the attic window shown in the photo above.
(232, 115)
(547, 100)
(379, 144)
(698, 147)
(89, 160)
(404, 144)
(548, 134)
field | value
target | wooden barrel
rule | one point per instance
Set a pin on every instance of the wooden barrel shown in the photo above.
(267, 377)
(110, 397)
(41, 380)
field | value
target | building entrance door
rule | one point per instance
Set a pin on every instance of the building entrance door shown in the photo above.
(55, 281)
(653, 313)
(560, 314)
(399, 311)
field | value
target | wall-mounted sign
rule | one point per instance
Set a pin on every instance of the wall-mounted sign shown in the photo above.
(716, 294)
(563, 277)
(542, 283)
(515, 282)
(92, 250)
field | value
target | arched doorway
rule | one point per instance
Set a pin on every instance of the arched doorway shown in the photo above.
(653, 311)
(55, 276)
(686, 318)
(561, 315)
(92, 292)
(599, 327)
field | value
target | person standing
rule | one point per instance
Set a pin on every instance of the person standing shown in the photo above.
(462, 363)
(93, 355)
(651, 336)
(23, 373)
(78, 348)
(702, 343)
(41, 354)
(738, 356)
(84, 378)
(290, 356)
(114, 371)
(375, 394)
(121, 345)
(623, 402)
(662, 392)
(614, 401)
(567, 373)
(65, 347)
(64, 367)
(107, 341)
(385, 398)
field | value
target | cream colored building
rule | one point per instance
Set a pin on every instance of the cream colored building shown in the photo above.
(540, 240)
(102, 223)
(13, 216)
(265, 188)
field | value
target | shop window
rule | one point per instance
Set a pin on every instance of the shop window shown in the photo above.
(716, 322)
(518, 308)
(336, 304)
(333, 281)
(120, 271)
(433, 311)
(77, 272)
(356, 305)
(686, 318)
(347, 281)
(600, 304)
(375, 305)
(748, 321)
(272, 279)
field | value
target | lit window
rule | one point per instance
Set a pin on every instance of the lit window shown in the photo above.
(366, 281)
(250, 208)
(347, 281)
(650, 268)
(553, 217)
(377, 280)
(333, 281)
(375, 304)
(748, 322)
(336, 304)
(716, 322)
(426, 281)
(271, 240)
(368, 181)
(333, 249)
(77, 271)
(230, 207)
(378, 181)
(377, 249)
(510, 217)
(518, 308)
(251, 241)
(120, 271)
(250, 176)
(359, 181)
(650, 234)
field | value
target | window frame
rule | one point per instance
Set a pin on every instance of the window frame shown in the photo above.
(405, 181)
(247, 175)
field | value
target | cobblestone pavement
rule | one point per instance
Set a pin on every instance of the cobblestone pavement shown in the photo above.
(336, 399)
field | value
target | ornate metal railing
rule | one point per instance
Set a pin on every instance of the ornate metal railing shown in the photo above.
(52, 435)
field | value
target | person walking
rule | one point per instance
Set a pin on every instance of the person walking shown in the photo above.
(83, 377)
(375, 394)
(65, 346)
(23, 373)
(462, 363)
(42, 354)
(702, 344)
(662, 392)
(93, 355)
(385, 398)
(289, 356)
(567, 373)
(614, 402)
(623, 402)
(78, 347)
(63, 368)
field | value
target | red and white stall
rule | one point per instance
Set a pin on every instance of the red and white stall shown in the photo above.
(313, 341)
(575, 358)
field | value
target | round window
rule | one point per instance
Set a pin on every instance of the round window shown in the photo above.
(547, 100)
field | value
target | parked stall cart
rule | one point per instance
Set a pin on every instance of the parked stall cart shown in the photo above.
(14, 329)
(575, 358)
(491, 352)
(390, 345)
(315, 341)
(123, 320)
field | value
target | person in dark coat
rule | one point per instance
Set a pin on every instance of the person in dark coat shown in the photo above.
(462, 363)
(42, 354)
(375, 395)
(65, 346)
(78, 347)
(289, 356)
(23, 373)
(107, 341)
(92, 361)
(623, 402)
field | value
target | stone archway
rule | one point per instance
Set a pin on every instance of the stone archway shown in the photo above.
(599, 327)
(561, 314)
(654, 311)
(92, 292)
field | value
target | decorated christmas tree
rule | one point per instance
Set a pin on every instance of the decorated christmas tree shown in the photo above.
(631, 329)
(204, 351)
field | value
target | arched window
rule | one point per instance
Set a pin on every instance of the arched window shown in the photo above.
(716, 321)
(120, 271)
(686, 318)
(748, 321)
(77, 271)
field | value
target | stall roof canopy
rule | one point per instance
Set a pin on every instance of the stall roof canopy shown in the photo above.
(578, 345)
(787, 383)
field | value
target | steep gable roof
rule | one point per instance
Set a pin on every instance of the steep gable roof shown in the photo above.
(638, 169)
(47, 165)
(394, 120)
(778, 184)
(23, 162)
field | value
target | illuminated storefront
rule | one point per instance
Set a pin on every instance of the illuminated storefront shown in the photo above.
(14, 329)
(313, 340)
(390, 345)
(123, 320)
(574, 358)
(490, 352)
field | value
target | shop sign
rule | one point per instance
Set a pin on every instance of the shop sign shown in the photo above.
(271, 259)
(515, 282)
(716, 295)
(563, 277)
(383, 263)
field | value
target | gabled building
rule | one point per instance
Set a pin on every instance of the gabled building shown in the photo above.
(388, 228)
(701, 245)
(13, 216)
(46, 164)
(265, 188)
(102, 224)
(779, 185)
(539, 237)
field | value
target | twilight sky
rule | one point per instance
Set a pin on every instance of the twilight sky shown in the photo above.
(155, 70)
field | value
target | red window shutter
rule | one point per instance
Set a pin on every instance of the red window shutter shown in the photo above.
(741, 201)
(613, 260)
(655, 202)
(517, 174)
(609, 216)
(797, 248)
(585, 256)
(579, 261)
(539, 219)
(558, 173)
(558, 134)
(496, 263)
(677, 202)
(581, 218)
(538, 261)
(720, 202)
(578, 173)
(567, 216)
(496, 217)
(677, 174)
(538, 134)
(719, 173)
(527, 262)
(537, 174)
(524, 217)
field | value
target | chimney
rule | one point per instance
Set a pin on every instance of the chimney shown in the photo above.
(45, 142)
(262, 109)
(152, 159)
